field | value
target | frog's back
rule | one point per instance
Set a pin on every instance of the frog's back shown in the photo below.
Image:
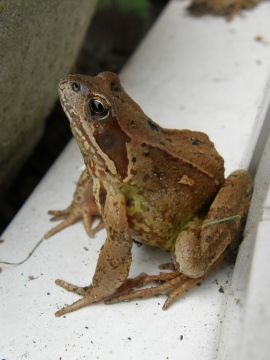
(195, 147)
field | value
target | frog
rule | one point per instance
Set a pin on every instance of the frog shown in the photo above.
(159, 187)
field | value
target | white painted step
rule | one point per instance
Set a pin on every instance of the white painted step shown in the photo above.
(203, 74)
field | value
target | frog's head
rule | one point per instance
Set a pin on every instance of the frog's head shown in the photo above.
(107, 124)
(92, 105)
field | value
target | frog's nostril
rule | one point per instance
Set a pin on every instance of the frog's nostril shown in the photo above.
(75, 87)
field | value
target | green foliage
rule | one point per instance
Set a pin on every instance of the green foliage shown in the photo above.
(139, 7)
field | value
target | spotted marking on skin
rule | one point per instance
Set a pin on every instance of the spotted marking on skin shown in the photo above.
(152, 125)
(78, 131)
(196, 142)
(185, 180)
(133, 124)
(115, 87)
(102, 195)
(93, 150)
(86, 145)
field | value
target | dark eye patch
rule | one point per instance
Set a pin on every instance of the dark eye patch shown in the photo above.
(108, 141)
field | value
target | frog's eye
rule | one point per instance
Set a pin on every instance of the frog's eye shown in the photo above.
(98, 108)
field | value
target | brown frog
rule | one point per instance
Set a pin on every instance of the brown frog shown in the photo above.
(158, 186)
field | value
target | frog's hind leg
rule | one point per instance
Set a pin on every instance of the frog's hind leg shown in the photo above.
(177, 284)
(144, 279)
(199, 248)
(171, 284)
(203, 241)
(88, 297)
(190, 282)
(83, 207)
(126, 292)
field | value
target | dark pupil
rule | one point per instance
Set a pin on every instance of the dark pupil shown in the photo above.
(97, 107)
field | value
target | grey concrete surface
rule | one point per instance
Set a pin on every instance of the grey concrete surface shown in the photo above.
(39, 42)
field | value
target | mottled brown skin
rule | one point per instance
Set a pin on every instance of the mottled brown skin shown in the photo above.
(150, 184)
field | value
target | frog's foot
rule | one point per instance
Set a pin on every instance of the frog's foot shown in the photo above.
(82, 291)
(173, 284)
(87, 293)
(73, 214)
(83, 207)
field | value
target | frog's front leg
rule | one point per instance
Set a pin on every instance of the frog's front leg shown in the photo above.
(114, 259)
(83, 207)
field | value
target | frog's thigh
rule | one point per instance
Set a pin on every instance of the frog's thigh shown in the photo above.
(197, 248)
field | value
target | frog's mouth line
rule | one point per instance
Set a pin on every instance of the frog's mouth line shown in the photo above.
(69, 111)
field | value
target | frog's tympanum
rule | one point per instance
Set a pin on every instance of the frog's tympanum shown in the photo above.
(154, 185)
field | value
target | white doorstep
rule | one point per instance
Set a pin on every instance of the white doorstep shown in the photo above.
(203, 74)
